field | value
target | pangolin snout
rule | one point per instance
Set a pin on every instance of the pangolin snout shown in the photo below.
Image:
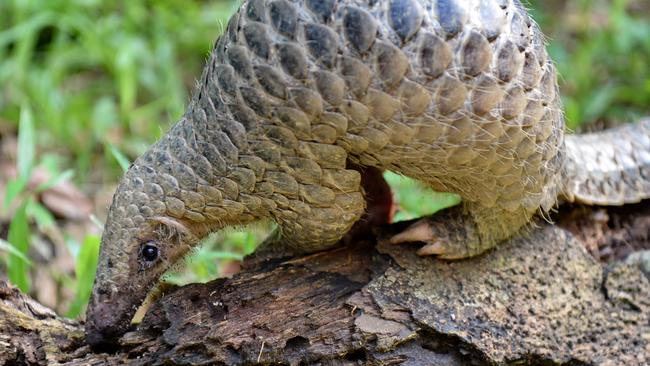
(107, 319)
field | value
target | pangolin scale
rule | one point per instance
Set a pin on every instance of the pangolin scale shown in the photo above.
(458, 94)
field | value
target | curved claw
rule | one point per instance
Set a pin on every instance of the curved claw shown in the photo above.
(451, 255)
(422, 231)
(435, 248)
(419, 231)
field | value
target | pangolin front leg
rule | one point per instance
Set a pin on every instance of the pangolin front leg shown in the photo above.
(461, 231)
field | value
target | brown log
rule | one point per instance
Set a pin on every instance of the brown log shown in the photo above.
(542, 298)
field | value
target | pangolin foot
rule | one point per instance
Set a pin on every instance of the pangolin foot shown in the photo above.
(447, 234)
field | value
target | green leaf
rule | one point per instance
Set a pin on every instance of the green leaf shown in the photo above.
(42, 215)
(597, 102)
(12, 190)
(9, 248)
(250, 243)
(121, 158)
(26, 144)
(213, 255)
(17, 268)
(126, 68)
(9, 35)
(244, 241)
(416, 200)
(53, 181)
(85, 267)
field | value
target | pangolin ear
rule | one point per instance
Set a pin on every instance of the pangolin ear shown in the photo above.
(168, 228)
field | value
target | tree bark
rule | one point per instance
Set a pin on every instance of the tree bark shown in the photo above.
(542, 298)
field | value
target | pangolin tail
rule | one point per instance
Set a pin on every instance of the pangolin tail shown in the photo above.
(611, 167)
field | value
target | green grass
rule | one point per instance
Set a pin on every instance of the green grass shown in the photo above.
(415, 199)
(102, 73)
(92, 83)
(602, 50)
(85, 266)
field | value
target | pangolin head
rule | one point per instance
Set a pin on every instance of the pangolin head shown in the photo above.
(141, 240)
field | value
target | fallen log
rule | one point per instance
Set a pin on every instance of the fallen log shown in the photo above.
(543, 298)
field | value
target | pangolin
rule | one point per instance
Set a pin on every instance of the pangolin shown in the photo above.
(297, 95)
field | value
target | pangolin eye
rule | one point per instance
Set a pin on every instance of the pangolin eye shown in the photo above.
(149, 252)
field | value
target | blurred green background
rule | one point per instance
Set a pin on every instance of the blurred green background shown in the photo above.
(87, 85)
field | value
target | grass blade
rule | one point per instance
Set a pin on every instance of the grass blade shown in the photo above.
(9, 248)
(17, 268)
(14, 188)
(122, 160)
(213, 255)
(43, 217)
(416, 200)
(26, 144)
(64, 176)
(85, 267)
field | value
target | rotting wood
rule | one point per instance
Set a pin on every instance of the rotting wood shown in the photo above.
(542, 298)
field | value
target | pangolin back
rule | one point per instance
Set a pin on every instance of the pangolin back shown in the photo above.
(458, 94)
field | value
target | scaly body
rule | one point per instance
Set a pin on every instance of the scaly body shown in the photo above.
(460, 95)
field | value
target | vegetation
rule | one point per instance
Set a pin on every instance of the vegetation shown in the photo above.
(602, 50)
(87, 85)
